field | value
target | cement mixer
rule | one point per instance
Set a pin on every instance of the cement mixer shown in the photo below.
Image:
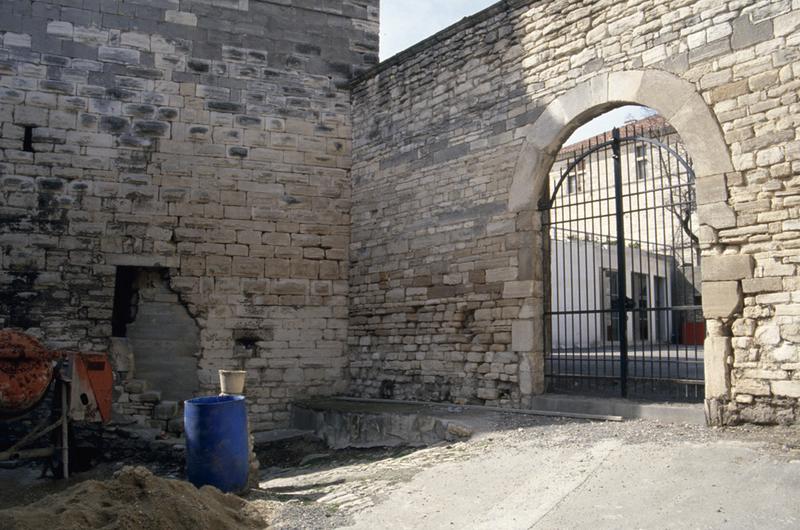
(28, 369)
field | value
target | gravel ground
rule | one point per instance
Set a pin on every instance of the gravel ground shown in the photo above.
(520, 472)
(412, 489)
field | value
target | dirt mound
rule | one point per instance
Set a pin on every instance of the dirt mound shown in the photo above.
(134, 499)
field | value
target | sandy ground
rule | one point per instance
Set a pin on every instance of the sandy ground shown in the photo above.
(559, 474)
(22, 485)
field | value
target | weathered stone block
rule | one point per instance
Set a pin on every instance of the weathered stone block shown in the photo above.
(717, 375)
(753, 387)
(500, 275)
(114, 124)
(518, 289)
(717, 215)
(762, 285)
(165, 410)
(60, 28)
(791, 331)
(711, 189)
(700, 132)
(768, 335)
(786, 388)
(787, 353)
(488, 394)
(151, 128)
(721, 299)
(118, 55)
(180, 17)
(135, 386)
(150, 396)
(522, 338)
(727, 267)
(225, 106)
(746, 33)
(17, 40)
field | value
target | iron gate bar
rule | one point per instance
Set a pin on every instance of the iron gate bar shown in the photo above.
(668, 188)
(622, 317)
(658, 321)
(646, 309)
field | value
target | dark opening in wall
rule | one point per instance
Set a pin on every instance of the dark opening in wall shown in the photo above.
(125, 301)
(156, 331)
(246, 344)
(27, 139)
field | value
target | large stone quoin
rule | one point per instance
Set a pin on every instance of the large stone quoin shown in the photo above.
(337, 226)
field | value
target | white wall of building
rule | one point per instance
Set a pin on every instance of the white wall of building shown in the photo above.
(576, 284)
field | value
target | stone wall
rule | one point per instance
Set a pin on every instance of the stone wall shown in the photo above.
(208, 137)
(452, 143)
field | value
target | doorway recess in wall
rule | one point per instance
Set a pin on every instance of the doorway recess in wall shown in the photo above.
(162, 335)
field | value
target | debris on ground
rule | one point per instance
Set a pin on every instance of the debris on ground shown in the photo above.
(135, 499)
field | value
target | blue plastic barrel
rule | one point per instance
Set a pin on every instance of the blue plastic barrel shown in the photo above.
(216, 442)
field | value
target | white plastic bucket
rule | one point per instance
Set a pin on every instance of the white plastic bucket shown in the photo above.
(231, 382)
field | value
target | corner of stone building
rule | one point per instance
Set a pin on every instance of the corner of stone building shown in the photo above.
(157, 142)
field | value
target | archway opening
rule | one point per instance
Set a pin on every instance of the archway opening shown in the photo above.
(622, 296)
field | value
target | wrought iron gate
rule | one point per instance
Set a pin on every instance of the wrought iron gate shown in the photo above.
(622, 312)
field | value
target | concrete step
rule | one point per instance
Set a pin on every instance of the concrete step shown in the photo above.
(685, 413)
(281, 435)
(361, 422)
(343, 423)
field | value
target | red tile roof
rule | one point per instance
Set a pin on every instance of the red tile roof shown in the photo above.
(649, 126)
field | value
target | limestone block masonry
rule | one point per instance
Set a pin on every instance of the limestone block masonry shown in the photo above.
(452, 142)
(337, 228)
(208, 137)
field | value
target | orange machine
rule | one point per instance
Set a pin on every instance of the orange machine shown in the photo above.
(27, 368)
(92, 382)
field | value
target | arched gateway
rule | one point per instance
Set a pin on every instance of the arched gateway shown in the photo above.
(606, 360)
(622, 268)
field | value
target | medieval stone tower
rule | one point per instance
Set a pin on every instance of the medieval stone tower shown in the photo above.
(176, 173)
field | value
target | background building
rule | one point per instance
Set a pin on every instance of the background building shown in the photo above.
(663, 250)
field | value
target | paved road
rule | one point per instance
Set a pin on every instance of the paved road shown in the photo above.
(560, 475)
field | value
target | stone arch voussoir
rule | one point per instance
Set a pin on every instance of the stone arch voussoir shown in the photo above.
(676, 99)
